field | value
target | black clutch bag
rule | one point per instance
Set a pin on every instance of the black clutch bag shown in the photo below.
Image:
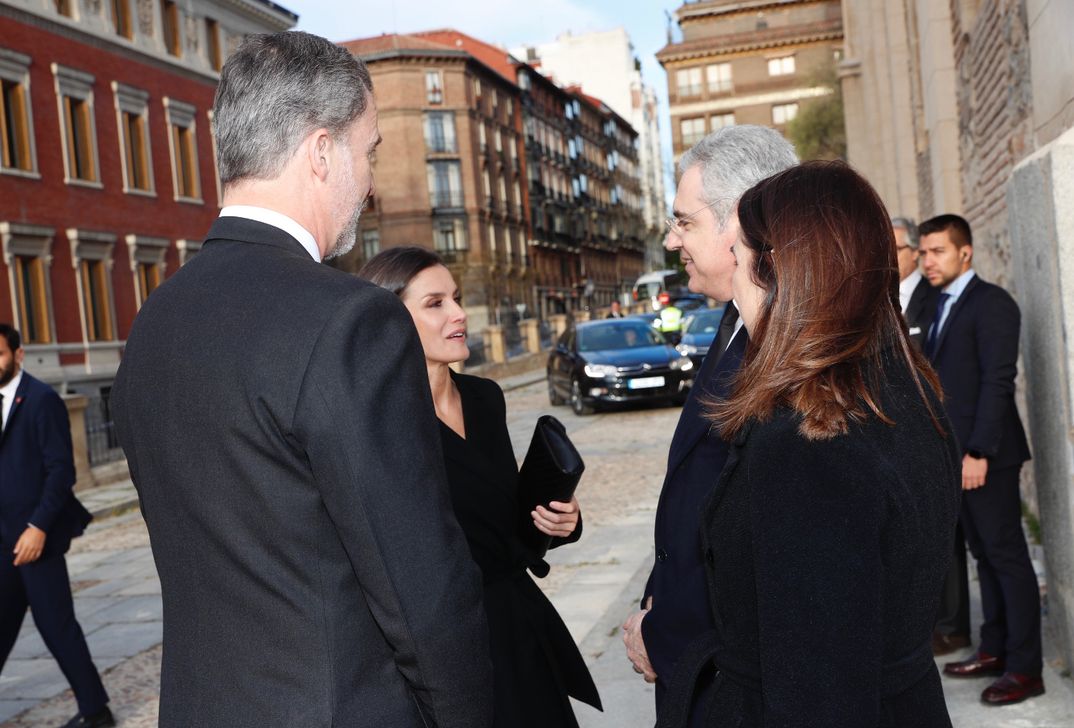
(550, 472)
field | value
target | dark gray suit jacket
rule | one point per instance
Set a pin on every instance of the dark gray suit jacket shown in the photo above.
(278, 424)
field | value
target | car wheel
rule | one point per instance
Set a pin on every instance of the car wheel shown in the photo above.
(578, 406)
(553, 395)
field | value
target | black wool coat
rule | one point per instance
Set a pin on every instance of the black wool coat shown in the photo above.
(536, 663)
(825, 564)
(279, 428)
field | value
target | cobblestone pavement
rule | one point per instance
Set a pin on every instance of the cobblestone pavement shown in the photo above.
(594, 584)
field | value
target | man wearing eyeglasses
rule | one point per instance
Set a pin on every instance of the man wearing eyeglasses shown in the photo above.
(917, 297)
(714, 175)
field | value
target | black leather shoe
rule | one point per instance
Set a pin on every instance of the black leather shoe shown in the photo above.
(101, 719)
(1012, 688)
(977, 665)
(945, 644)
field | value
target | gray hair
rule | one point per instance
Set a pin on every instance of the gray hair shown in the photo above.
(274, 91)
(735, 158)
(907, 224)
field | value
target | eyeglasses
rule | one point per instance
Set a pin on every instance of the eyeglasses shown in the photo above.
(674, 224)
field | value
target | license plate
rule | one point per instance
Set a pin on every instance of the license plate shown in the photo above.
(645, 382)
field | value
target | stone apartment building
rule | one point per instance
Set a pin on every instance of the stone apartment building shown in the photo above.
(107, 172)
(752, 62)
(967, 106)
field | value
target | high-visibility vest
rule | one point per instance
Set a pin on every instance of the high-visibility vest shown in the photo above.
(670, 319)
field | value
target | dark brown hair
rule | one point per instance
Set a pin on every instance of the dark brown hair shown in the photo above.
(394, 268)
(957, 229)
(825, 257)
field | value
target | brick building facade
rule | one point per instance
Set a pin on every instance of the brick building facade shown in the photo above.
(108, 177)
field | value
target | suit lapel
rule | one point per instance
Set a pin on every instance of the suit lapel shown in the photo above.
(20, 396)
(917, 302)
(956, 307)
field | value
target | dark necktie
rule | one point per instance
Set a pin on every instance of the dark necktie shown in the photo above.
(934, 330)
(726, 330)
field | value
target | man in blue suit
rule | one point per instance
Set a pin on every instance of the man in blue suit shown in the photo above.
(973, 344)
(675, 606)
(39, 515)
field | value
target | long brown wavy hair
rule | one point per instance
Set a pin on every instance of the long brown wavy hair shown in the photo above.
(826, 259)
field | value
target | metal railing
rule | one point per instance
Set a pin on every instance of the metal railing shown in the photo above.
(101, 441)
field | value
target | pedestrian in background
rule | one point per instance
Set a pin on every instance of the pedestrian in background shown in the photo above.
(828, 534)
(917, 297)
(973, 343)
(285, 450)
(615, 311)
(675, 605)
(39, 515)
(536, 663)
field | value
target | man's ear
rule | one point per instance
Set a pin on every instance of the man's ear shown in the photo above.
(318, 146)
(20, 354)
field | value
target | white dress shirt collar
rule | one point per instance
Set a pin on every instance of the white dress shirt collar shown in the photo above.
(957, 286)
(906, 288)
(9, 390)
(277, 220)
(739, 323)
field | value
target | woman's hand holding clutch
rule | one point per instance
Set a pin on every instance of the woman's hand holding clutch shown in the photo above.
(558, 520)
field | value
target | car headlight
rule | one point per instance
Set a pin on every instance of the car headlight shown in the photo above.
(682, 364)
(599, 371)
(686, 349)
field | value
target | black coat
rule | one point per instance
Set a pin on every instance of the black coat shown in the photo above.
(976, 356)
(537, 665)
(825, 562)
(277, 420)
(920, 310)
(680, 611)
(37, 471)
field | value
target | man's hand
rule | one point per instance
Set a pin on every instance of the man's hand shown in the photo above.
(29, 546)
(635, 645)
(558, 520)
(974, 471)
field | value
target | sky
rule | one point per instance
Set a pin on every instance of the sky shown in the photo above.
(507, 23)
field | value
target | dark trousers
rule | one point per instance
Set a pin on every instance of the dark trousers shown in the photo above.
(43, 586)
(954, 615)
(1010, 597)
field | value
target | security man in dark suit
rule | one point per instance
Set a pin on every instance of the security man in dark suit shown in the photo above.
(675, 607)
(973, 344)
(277, 420)
(39, 515)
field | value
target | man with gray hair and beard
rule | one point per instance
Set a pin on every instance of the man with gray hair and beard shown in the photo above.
(285, 450)
(704, 225)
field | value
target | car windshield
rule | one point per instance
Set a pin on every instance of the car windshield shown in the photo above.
(705, 322)
(618, 335)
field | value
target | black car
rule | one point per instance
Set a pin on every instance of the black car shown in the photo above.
(699, 332)
(616, 361)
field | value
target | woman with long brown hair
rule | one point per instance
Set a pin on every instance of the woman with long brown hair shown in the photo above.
(828, 533)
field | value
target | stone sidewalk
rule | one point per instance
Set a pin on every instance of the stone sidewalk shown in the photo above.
(594, 585)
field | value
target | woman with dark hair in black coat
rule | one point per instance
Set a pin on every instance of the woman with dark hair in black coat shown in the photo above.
(536, 663)
(828, 534)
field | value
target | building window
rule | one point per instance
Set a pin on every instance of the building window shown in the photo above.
(445, 184)
(370, 243)
(74, 90)
(481, 137)
(91, 253)
(28, 254)
(499, 140)
(688, 81)
(783, 113)
(212, 33)
(440, 132)
(434, 87)
(719, 121)
(132, 111)
(693, 131)
(63, 7)
(781, 66)
(169, 23)
(450, 235)
(188, 248)
(182, 135)
(719, 78)
(121, 18)
(147, 264)
(17, 152)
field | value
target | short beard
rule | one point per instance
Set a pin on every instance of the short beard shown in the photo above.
(7, 374)
(347, 237)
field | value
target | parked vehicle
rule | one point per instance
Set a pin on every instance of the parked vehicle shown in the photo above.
(649, 286)
(616, 361)
(699, 332)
